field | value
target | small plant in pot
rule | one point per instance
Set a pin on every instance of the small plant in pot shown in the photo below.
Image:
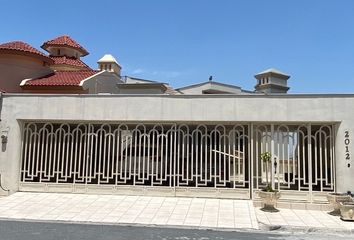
(268, 195)
(335, 199)
(347, 211)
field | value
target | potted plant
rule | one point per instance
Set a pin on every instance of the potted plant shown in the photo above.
(268, 195)
(335, 199)
(347, 211)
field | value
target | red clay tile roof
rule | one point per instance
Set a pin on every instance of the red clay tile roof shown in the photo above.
(62, 78)
(65, 41)
(69, 61)
(23, 48)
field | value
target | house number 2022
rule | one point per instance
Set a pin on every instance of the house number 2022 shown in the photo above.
(347, 145)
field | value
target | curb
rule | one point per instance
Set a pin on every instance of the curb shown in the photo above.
(122, 224)
(298, 229)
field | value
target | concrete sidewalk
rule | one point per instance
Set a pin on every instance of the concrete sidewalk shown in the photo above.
(202, 213)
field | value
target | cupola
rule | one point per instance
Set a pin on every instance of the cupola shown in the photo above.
(272, 81)
(64, 46)
(109, 63)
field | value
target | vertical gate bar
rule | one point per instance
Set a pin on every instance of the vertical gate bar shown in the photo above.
(23, 153)
(180, 141)
(72, 153)
(256, 158)
(321, 159)
(272, 160)
(29, 172)
(46, 161)
(85, 152)
(250, 159)
(153, 158)
(149, 157)
(326, 155)
(57, 155)
(175, 159)
(296, 169)
(211, 156)
(138, 171)
(158, 157)
(196, 157)
(144, 158)
(234, 137)
(100, 137)
(333, 169)
(162, 156)
(117, 155)
(171, 157)
(42, 137)
(92, 163)
(309, 155)
(206, 158)
(133, 164)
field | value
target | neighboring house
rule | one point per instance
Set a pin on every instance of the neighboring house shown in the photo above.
(25, 69)
(212, 87)
(268, 81)
(134, 85)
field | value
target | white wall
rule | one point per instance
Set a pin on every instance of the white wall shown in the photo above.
(176, 108)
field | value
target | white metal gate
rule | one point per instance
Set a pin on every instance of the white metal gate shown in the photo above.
(178, 159)
(147, 158)
(303, 162)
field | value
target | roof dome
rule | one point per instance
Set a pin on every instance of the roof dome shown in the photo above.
(23, 48)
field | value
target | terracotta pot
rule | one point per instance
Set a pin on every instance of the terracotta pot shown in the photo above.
(269, 200)
(335, 199)
(347, 211)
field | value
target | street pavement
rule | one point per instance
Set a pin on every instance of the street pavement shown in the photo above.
(165, 212)
(19, 230)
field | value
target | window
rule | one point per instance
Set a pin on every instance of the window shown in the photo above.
(58, 51)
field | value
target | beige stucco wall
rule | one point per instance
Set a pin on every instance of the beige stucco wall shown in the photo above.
(105, 82)
(177, 108)
(15, 68)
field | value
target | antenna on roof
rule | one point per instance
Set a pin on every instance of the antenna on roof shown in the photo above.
(210, 78)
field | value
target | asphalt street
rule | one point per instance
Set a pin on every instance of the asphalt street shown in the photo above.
(19, 230)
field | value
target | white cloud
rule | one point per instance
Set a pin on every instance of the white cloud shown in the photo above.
(138, 70)
(167, 74)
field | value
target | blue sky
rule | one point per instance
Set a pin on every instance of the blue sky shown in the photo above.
(185, 41)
